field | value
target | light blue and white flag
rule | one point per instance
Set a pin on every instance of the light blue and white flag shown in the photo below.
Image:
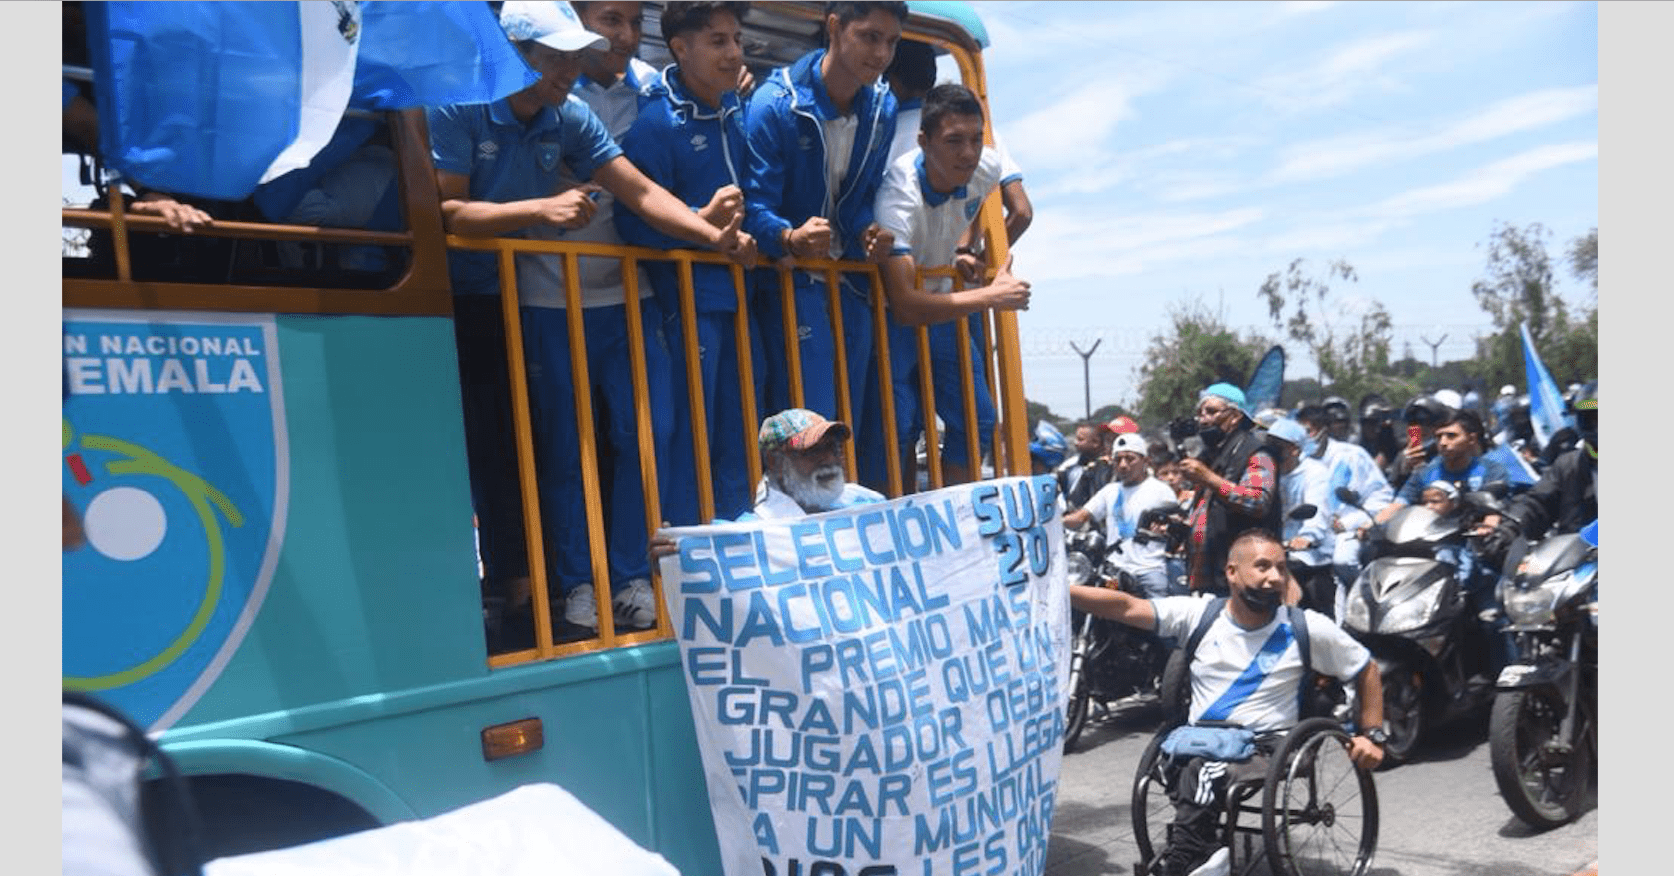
(211, 99)
(1546, 402)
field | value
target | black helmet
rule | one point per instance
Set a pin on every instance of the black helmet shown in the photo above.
(1426, 411)
(1375, 407)
(1336, 407)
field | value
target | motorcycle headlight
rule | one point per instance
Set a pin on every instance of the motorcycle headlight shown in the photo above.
(1531, 607)
(1410, 614)
(1077, 569)
(1357, 614)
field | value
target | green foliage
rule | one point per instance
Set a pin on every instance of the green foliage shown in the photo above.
(1519, 289)
(1352, 351)
(1196, 350)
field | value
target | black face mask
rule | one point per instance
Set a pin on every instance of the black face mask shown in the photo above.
(1261, 601)
(1212, 436)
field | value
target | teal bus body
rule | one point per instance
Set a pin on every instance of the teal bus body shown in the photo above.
(363, 675)
(370, 632)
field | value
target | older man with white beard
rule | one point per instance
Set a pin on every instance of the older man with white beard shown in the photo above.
(802, 469)
(802, 472)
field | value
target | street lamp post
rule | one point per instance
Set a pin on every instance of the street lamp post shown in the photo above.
(1086, 374)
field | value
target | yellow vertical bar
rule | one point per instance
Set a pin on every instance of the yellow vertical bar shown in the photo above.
(694, 388)
(746, 375)
(927, 408)
(793, 340)
(886, 386)
(585, 432)
(1008, 392)
(119, 231)
(845, 410)
(522, 434)
(646, 434)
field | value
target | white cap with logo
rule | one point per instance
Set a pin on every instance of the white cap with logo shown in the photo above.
(550, 23)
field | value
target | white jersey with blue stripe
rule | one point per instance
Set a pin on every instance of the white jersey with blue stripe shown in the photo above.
(1251, 677)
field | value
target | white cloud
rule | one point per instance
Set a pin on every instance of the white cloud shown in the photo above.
(1486, 184)
(1346, 73)
(1328, 158)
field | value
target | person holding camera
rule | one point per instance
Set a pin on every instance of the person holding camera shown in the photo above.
(1235, 481)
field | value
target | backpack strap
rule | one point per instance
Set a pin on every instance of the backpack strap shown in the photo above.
(1202, 628)
(1299, 629)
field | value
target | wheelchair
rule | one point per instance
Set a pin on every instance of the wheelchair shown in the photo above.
(1314, 812)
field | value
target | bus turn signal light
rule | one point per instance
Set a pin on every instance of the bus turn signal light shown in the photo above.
(517, 737)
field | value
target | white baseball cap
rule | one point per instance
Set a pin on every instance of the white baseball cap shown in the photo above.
(551, 23)
(1128, 442)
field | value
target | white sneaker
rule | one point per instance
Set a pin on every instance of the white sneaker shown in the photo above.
(1217, 865)
(635, 606)
(581, 609)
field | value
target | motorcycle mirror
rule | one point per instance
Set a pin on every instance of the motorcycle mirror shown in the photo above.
(1348, 496)
(1487, 499)
(1303, 512)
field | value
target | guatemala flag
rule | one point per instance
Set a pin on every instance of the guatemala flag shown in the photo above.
(1546, 403)
(212, 99)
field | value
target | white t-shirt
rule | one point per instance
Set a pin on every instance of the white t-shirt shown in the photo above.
(1228, 650)
(927, 226)
(1118, 507)
(839, 142)
(541, 281)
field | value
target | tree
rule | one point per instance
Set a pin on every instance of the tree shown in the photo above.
(1352, 348)
(1520, 290)
(1197, 350)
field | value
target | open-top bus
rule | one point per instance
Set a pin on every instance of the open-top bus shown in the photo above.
(281, 581)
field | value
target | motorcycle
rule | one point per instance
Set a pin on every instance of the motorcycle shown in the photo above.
(1542, 729)
(1108, 660)
(1411, 611)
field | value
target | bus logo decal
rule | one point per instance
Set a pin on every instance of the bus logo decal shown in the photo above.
(175, 455)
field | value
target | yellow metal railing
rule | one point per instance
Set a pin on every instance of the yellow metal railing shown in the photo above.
(1001, 357)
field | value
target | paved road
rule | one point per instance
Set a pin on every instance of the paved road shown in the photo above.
(1440, 816)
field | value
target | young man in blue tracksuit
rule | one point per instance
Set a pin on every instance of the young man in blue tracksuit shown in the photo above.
(819, 133)
(689, 138)
(498, 173)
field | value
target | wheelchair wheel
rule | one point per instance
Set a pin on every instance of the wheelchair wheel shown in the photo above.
(1319, 810)
(1150, 807)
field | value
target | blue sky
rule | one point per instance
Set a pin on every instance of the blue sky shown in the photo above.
(1182, 151)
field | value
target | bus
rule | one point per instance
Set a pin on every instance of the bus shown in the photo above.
(263, 438)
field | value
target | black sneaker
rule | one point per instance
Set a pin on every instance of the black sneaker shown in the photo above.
(1185, 852)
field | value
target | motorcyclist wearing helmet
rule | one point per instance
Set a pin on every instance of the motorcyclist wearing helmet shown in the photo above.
(1426, 412)
(1338, 418)
(1377, 430)
(1566, 496)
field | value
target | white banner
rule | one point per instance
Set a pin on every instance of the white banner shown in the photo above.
(879, 691)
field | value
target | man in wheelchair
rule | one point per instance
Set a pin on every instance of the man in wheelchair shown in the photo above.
(1247, 679)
